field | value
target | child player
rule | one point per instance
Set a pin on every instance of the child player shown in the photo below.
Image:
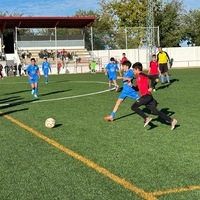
(33, 73)
(146, 99)
(111, 71)
(46, 68)
(127, 90)
(154, 71)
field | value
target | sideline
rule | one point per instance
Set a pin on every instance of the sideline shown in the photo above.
(89, 163)
(177, 190)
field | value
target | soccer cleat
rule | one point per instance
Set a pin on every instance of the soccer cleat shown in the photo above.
(148, 119)
(173, 124)
(32, 92)
(108, 118)
(35, 95)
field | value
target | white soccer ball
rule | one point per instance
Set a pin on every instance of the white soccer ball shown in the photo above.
(50, 123)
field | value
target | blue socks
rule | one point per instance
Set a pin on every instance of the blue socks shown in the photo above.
(112, 114)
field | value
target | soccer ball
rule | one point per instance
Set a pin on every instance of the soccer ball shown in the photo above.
(50, 123)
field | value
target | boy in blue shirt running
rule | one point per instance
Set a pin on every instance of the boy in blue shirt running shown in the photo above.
(33, 73)
(127, 90)
(46, 68)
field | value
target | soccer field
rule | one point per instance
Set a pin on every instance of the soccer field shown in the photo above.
(86, 158)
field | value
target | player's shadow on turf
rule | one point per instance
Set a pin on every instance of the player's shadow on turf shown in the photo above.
(17, 103)
(166, 85)
(21, 91)
(55, 92)
(10, 99)
(13, 111)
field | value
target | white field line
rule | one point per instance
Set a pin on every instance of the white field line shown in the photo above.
(76, 96)
(71, 97)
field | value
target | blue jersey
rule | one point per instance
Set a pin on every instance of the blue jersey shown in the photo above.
(128, 91)
(32, 71)
(112, 69)
(46, 67)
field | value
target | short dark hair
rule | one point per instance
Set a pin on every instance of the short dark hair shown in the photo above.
(137, 65)
(127, 63)
(112, 59)
(32, 59)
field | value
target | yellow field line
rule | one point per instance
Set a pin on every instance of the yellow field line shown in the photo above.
(188, 188)
(105, 172)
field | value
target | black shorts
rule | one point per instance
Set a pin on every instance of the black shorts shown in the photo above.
(163, 68)
(147, 100)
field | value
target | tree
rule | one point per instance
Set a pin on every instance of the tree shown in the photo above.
(192, 27)
(170, 21)
(103, 29)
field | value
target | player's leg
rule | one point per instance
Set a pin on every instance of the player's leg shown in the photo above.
(115, 84)
(36, 90)
(162, 71)
(153, 107)
(113, 113)
(32, 86)
(167, 76)
(110, 84)
(46, 78)
(144, 100)
(154, 82)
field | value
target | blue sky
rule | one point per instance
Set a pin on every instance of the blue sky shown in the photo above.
(62, 7)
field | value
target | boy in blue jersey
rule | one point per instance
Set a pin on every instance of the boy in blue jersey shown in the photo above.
(33, 73)
(46, 68)
(127, 91)
(111, 71)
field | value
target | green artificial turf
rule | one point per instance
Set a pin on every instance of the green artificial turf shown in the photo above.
(152, 159)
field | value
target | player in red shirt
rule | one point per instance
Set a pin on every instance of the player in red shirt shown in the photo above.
(124, 58)
(154, 71)
(146, 98)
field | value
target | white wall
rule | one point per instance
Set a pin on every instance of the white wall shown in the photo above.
(183, 56)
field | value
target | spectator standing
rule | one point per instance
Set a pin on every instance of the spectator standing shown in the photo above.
(15, 69)
(7, 69)
(1, 71)
(163, 61)
(20, 69)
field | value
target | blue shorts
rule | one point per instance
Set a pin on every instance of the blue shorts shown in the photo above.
(131, 94)
(46, 73)
(33, 80)
(112, 78)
